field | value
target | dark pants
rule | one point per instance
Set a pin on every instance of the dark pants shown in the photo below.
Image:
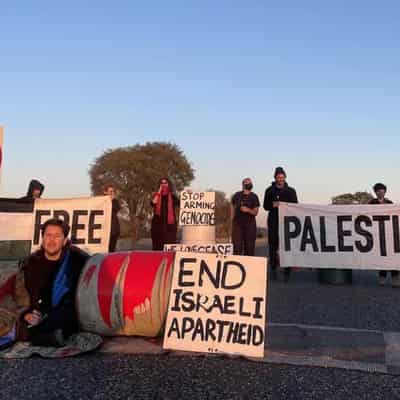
(161, 235)
(113, 243)
(383, 273)
(61, 318)
(273, 248)
(244, 238)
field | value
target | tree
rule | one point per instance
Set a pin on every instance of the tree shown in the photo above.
(135, 172)
(222, 214)
(350, 198)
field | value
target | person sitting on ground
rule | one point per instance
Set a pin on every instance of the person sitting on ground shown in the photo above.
(380, 192)
(51, 277)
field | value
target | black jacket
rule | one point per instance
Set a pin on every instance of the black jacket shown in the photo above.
(115, 226)
(273, 193)
(33, 184)
(39, 284)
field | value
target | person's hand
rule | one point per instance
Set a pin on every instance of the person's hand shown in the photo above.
(244, 209)
(33, 318)
(275, 204)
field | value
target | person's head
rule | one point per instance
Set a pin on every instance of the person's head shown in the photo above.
(109, 190)
(280, 176)
(165, 186)
(54, 238)
(35, 189)
(380, 190)
(247, 184)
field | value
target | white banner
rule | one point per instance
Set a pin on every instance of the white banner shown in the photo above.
(224, 249)
(197, 208)
(340, 236)
(89, 219)
(217, 304)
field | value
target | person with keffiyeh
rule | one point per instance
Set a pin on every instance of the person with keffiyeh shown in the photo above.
(50, 277)
(164, 224)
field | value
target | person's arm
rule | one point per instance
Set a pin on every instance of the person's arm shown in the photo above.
(295, 199)
(268, 206)
(251, 211)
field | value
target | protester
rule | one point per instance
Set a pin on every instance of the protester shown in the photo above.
(380, 192)
(244, 209)
(278, 191)
(164, 223)
(35, 190)
(109, 190)
(51, 277)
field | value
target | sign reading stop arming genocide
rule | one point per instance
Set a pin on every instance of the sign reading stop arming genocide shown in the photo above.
(197, 208)
(340, 236)
(89, 219)
(217, 304)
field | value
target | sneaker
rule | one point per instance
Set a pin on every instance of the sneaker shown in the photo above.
(382, 280)
(395, 281)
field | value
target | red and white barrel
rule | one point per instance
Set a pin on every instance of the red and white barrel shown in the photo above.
(125, 293)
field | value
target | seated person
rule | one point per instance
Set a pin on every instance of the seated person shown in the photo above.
(51, 277)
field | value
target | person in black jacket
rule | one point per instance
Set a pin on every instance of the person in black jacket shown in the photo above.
(115, 233)
(35, 190)
(380, 192)
(51, 277)
(278, 191)
(244, 209)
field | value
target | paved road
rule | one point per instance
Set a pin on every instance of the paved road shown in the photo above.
(166, 377)
(303, 300)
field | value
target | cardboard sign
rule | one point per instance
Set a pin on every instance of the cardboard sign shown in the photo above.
(217, 304)
(340, 236)
(89, 219)
(197, 208)
(224, 249)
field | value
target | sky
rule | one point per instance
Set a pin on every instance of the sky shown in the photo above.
(240, 86)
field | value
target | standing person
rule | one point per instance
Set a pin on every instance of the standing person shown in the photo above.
(109, 190)
(244, 209)
(164, 224)
(51, 277)
(380, 192)
(35, 190)
(278, 191)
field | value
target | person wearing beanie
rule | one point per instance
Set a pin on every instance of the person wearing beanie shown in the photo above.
(380, 192)
(278, 191)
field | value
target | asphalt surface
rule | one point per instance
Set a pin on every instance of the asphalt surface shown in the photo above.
(362, 305)
(167, 377)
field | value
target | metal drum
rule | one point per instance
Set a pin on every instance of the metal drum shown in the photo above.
(125, 293)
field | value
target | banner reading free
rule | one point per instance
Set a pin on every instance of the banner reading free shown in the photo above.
(89, 219)
(217, 304)
(340, 236)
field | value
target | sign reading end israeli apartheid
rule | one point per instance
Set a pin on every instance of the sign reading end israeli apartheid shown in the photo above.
(217, 304)
(197, 208)
(224, 249)
(340, 236)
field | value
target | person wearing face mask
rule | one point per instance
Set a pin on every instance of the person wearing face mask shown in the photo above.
(380, 192)
(278, 191)
(164, 223)
(244, 209)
